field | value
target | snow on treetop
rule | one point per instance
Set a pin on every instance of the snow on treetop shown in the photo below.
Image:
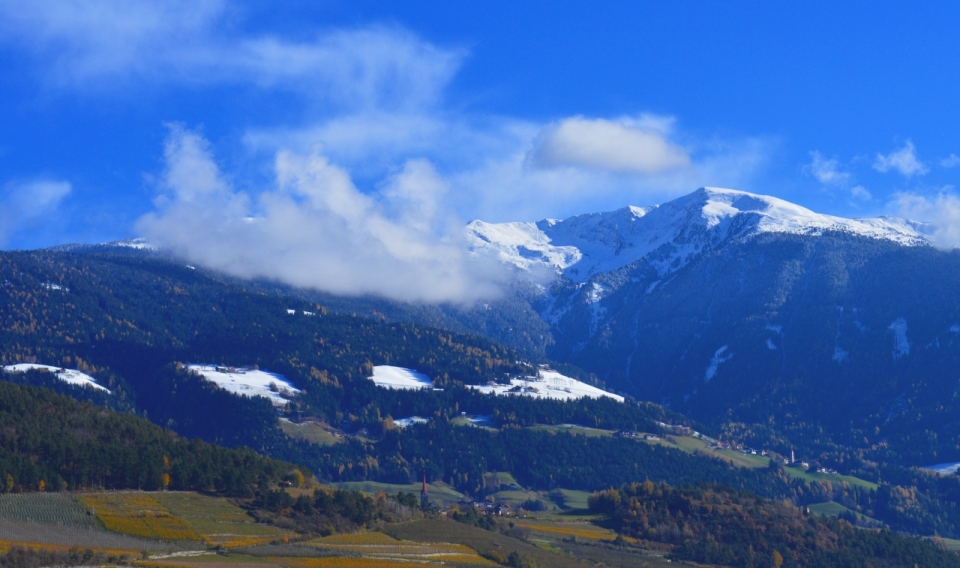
(668, 235)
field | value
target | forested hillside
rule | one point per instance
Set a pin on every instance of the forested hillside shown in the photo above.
(53, 442)
(714, 525)
(134, 321)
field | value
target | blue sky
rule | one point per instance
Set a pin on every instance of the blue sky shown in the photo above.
(119, 119)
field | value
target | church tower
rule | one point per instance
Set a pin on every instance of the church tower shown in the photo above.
(424, 495)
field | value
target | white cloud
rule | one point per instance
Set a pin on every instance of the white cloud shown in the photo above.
(25, 204)
(903, 160)
(859, 192)
(374, 131)
(950, 161)
(98, 44)
(942, 212)
(827, 171)
(313, 228)
(504, 188)
(621, 146)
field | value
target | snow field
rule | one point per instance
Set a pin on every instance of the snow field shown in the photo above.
(72, 376)
(390, 377)
(548, 384)
(247, 382)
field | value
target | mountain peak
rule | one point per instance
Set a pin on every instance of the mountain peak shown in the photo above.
(668, 235)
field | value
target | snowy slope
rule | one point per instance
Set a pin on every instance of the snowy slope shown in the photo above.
(72, 376)
(391, 377)
(548, 384)
(248, 382)
(669, 235)
(944, 468)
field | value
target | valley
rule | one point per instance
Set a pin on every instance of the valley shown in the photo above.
(687, 378)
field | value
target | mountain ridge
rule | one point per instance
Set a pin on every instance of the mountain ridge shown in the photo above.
(668, 235)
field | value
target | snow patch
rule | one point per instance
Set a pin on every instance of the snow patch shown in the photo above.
(594, 294)
(72, 376)
(407, 422)
(839, 355)
(137, 243)
(391, 377)
(548, 384)
(718, 359)
(248, 382)
(901, 346)
(944, 468)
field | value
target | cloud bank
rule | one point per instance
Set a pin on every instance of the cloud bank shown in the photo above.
(940, 212)
(314, 229)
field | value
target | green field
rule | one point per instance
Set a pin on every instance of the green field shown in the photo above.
(744, 460)
(515, 498)
(691, 445)
(832, 509)
(573, 499)
(310, 431)
(440, 492)
(951, 544)
(573, 429)
(506, 478)
(803, 474)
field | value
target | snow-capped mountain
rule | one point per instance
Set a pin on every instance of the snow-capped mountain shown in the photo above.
(723, 303)
(669, 235)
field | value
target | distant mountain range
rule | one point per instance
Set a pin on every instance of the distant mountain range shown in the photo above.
(733, 308)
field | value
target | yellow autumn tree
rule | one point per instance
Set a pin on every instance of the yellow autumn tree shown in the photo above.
(42, 486)
(776, 560)
(165, 480)
(297, 478)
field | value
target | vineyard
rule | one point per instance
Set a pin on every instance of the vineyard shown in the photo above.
(137, 514)
(46, 508)
(23, 532)
(578, 530)
(218, 521)
(179, 526)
